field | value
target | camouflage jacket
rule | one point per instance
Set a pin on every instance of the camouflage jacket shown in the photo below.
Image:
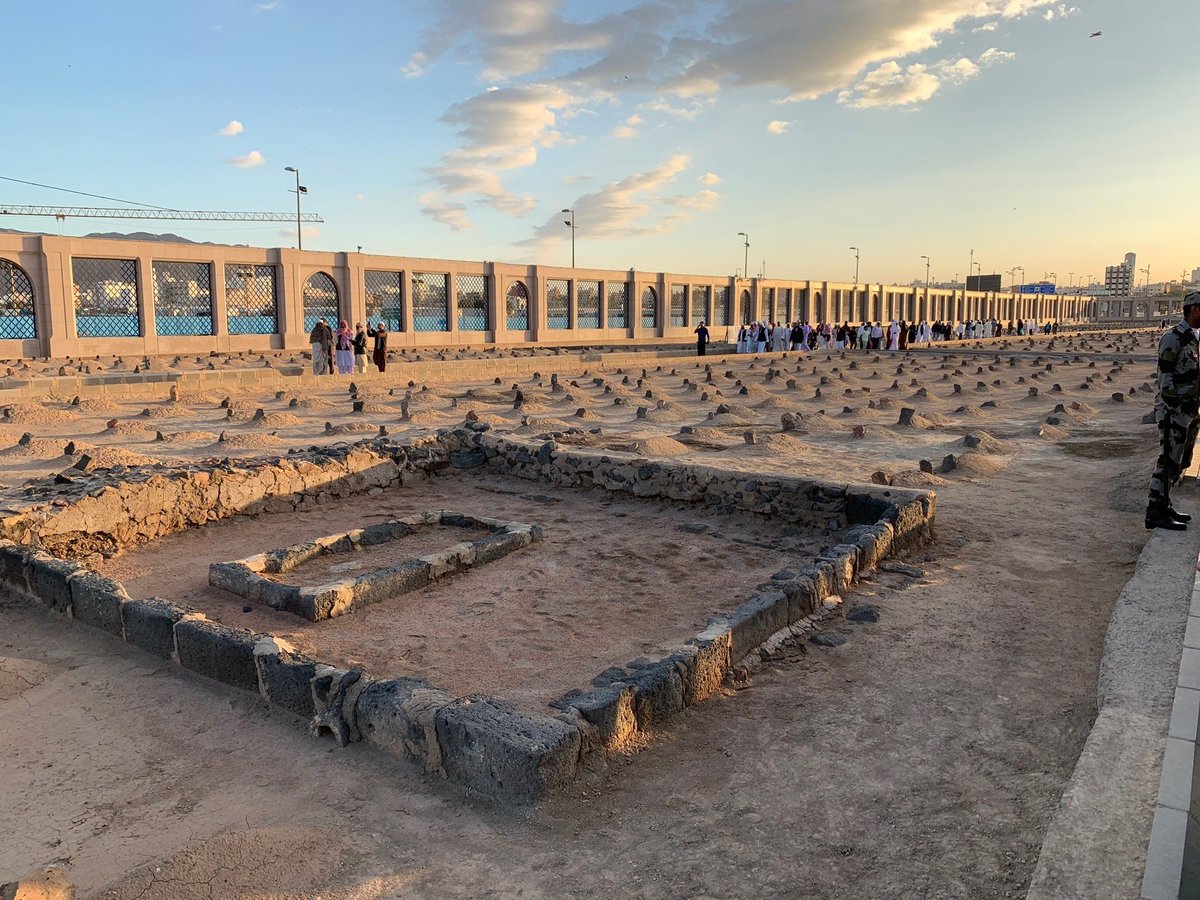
(1178, 369)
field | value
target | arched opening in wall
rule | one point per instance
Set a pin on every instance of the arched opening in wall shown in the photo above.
(1104, 310)
(747, 308)
(876, 312)
(816, 307)
(864, 311)
(516, 307)
(106, 297)
(649, 308)
(18, 319)
(320, 301)
(720, 310)
(1141, 311)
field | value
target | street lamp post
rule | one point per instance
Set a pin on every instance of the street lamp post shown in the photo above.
(926, 258)
(746, 255)
(970, 268)
(300, 189)
(570, 223)
(855, 249)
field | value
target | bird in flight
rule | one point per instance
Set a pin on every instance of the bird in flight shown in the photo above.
(1096, 34)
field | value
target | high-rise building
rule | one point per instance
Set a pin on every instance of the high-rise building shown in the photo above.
(1119, 279)
(1195, 276)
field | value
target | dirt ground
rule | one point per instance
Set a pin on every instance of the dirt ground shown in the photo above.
(610, 580)
(922, 758)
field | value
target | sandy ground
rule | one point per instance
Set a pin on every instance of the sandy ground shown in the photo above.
(923, 758)
(610, 580)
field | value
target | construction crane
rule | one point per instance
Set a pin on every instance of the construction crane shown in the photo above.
(93, 212)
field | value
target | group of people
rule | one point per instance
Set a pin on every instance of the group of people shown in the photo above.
(763, 337)
(344, 351)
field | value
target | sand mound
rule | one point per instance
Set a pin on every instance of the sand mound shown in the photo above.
(133, 426)
(165, 412)
(784, 445)
(727, 420)
(657, 446)
(36, 414)
(773, 403)
(700, 433)
(247, 441)
(915, 478)
(310, 403)
(982, 442)
(546, 425)
(355, 428)
(977, 465)
(971, 411)
(1049, 432)
(276, 420)
(189, 437)
(105, 457)
(429, 417)
(936, 418)
(37, 448)
(98, 404)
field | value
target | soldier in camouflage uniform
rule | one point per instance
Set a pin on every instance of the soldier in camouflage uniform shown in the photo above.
(1177, 413)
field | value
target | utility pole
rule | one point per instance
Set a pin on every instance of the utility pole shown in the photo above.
(300, 189)
(746, 255)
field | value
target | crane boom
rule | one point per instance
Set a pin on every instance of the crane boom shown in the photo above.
(92, 212)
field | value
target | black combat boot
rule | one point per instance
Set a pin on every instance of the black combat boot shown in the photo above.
(1160, 517)
(1178, 516)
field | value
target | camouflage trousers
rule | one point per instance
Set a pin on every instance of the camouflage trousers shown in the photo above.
(1177, 432)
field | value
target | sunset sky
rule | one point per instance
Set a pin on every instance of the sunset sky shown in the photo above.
(460, 128)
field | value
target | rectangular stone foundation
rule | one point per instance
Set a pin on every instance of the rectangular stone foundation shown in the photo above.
(247, 577)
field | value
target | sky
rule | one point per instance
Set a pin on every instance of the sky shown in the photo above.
(459, 128)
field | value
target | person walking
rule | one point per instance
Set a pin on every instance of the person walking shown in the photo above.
(701, 339)
(360, 349)
(379, 355)
(1176, 412)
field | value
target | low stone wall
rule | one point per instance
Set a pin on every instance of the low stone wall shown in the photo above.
(246, 578)
(795, 500)
(104, 512)
(485, 744)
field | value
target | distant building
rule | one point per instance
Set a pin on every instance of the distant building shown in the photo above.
(1039, 287)
(1195, 276)
(1119, 279)
(983, 282)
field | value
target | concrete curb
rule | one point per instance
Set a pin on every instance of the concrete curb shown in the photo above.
(1095, 845)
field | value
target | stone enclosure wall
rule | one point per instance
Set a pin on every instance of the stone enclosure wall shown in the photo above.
(482, 743)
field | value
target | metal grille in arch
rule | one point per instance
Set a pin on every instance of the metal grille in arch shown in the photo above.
(516, 307)
(649, 308)
(384, 303)
(18, 319)
(320, 301)
(182, 298)
(430, 302)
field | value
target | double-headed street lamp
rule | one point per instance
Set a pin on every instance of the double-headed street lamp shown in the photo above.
(926, 258)
(570, 223)
(746, 255)
(300, 189)
(855, 249)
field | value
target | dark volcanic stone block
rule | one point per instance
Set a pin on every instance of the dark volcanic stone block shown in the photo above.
(150, 624)
(494, 546)
(97, 601)
(756, 620)
(48, 580)
(490, 746)
(12, 566)
(285, 680)
(218, 652)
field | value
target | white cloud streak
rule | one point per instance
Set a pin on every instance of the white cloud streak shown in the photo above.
(249, 161)
(232, 127)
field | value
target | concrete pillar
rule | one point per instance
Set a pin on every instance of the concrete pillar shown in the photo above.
(220, 310)
(145, 301)
(291, 299)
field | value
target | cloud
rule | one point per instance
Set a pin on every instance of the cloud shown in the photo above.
(272, 6)
(629, 207)
(778, 126)
(710, 178)
(249, 161)
(415, 67)
(628, 128)
(891, 85)
(992, 56)
(499, 131)
(986, 26)
(360, 197)
(232, 127)
(579, 179)
(1061, 11)
(445, 212)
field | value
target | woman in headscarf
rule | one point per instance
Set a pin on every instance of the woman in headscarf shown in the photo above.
(345, 348)
(379, 332)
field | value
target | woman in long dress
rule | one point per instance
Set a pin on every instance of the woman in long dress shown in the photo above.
(345, 348)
